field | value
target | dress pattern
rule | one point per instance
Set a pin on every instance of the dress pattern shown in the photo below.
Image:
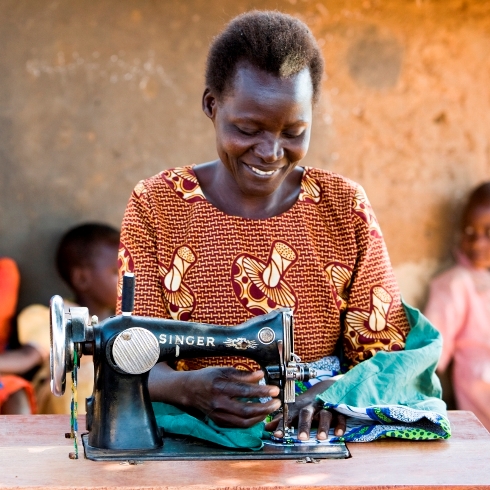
(363, 209)
(261, 286)
(125, 264)
(325, 258)
(311, 190)
(339, 276)
(184, 183)
(371, 327)
(179, 297)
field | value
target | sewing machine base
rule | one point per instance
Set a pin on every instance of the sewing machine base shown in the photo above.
(188, 449)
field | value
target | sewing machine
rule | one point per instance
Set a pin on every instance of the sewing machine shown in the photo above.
(120, 420)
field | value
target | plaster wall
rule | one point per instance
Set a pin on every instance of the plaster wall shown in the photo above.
(95, 96)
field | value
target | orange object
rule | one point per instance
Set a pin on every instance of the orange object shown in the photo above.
(10, 384)
(9, 291)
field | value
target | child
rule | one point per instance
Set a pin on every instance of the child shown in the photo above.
(16, 394)
(87, 261)
(459, 306)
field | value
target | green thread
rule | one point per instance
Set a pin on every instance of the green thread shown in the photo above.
(74, 405)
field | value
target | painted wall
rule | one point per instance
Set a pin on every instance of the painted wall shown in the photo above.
(95, 96)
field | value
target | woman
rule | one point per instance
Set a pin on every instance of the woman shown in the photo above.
(253, 231)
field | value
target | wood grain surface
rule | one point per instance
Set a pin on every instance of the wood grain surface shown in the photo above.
(34, 454)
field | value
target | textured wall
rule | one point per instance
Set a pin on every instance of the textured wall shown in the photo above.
(95, 96)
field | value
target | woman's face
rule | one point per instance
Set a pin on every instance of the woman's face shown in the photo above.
(262, 127)
(475, 241)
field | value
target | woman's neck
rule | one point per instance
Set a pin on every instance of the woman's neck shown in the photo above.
(222, 191)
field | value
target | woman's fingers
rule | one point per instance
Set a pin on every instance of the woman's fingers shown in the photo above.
(226, 419)
(304, 418)
(230, 397)
(324, 422)
(274, 423)
(275, 426)
(245, 411)
(304, 422)
(340, 426)
(234, 383)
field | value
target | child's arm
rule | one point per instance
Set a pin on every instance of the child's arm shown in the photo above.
(19, 361)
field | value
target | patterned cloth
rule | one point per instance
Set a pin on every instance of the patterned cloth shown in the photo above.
(325, 258)
(395, 394)
(379, 422)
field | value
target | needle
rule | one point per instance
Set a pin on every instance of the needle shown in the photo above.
(285, 418)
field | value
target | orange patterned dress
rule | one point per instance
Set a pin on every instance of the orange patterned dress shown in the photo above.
(325, 258)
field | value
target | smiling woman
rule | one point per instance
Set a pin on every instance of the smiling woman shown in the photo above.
(253, 231)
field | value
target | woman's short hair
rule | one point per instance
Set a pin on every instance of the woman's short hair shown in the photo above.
(269, 40)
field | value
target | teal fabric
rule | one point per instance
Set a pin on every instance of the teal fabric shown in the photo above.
(405, 378)
(175, 421)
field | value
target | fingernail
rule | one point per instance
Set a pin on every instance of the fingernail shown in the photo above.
(278, 434)
(303, 436)
(339, 432)
(321, 435)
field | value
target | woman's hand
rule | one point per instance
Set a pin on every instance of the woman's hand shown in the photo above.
(306, 409)
(223, 394)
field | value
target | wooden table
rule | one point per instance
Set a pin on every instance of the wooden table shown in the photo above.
(34, 454)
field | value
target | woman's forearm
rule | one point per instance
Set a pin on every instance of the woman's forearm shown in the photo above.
(168, 386)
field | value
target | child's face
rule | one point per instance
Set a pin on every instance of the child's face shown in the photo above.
(475, 240)
(103, 275)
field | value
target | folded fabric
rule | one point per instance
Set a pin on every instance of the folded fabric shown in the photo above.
(378, 422)
(176, 421)
(398, 392)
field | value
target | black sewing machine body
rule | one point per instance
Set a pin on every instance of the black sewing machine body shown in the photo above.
(121, 407)
(120, 420)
